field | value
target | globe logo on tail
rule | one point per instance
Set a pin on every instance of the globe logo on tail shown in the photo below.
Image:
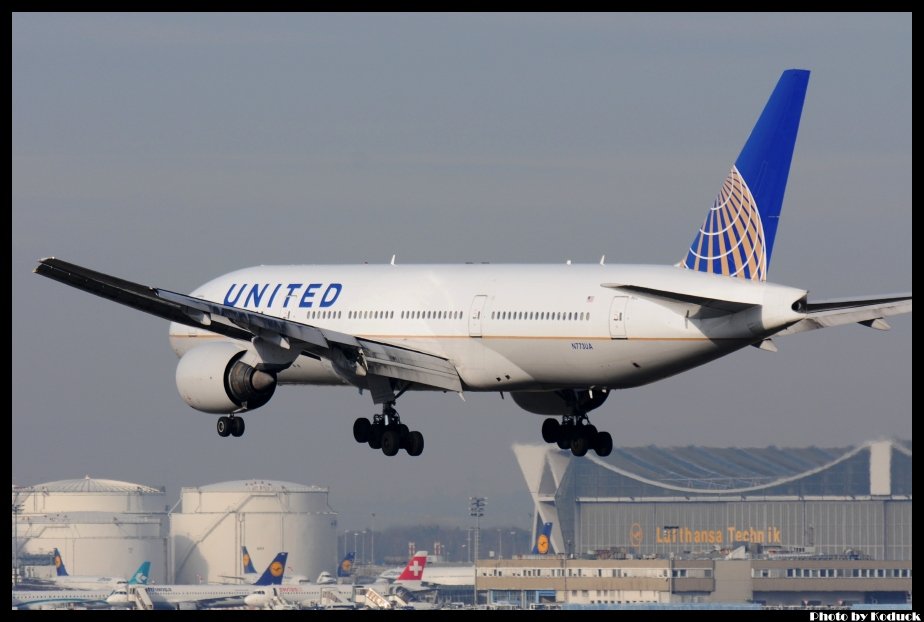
(731, 242)
(345, 565)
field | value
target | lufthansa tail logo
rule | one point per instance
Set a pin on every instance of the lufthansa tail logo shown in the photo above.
(542, 544)
(276, 569)
(346, 565)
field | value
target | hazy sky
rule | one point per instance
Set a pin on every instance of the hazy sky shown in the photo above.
(168, 149)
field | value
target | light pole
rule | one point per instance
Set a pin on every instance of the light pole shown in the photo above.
(500, 545)
(372, 537)
(17, 508)
(476, 510)
(355, 547)
(513, 545)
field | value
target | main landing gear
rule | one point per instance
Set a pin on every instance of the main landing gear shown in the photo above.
(386, 432)
(575, 432)
(230, 426)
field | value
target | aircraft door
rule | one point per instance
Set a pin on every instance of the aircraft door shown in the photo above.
(475, 315)
(618, 317)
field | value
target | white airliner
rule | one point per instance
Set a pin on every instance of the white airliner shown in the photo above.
(197, 596)
(67, 581)
(307, 595)
(558, 338)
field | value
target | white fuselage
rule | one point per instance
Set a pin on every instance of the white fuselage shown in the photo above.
(306, 595)
(58, 599)
(513, 327)
(173, 595)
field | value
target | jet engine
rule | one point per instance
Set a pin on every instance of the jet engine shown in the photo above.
(213, 378)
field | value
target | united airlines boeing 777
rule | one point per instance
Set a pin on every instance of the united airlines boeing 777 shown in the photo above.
(558, 338)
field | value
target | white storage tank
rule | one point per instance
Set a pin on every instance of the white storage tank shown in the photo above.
(265, 516)
(102, 527)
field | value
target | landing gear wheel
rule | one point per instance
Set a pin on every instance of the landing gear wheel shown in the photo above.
(579, 445)
(589, 432)
(564, 436)
(403, 432)
(237, 426)
(551, 430)
(391, 442)
(375, 436)
(362, 430)
(603, 444)
(223, 426)
(415, 443)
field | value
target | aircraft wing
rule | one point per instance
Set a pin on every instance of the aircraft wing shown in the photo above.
(868, 311)
(375, 358)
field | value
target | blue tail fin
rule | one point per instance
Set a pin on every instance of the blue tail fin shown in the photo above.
(59, 564)
(141, 575)
(543, 545)
(247, 562)
(273, 573)
(345, 568)
(737, 237)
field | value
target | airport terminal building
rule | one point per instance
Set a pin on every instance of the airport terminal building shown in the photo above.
(677, 502)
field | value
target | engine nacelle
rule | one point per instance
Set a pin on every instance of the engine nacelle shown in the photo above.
(559, 402)
(212, 378)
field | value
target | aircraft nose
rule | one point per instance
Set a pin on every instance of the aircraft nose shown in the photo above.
(253, 600)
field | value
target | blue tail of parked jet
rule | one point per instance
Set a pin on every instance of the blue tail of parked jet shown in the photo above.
(273, 573)
(737, 237)
(345, 569)
(141, 575)
(247, 562)
(59, 564)
(543, 545)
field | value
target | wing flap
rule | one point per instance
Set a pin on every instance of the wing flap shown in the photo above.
(410, 365)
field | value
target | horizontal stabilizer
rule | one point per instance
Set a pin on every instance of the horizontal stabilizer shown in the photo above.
(731, 306)
(868, 311)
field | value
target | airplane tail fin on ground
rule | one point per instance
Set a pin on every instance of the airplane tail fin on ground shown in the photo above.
(60, 570)
(273, 573)
(345, 569)
(415, 568)
(141, 575)
(740, 228)
(246, 562)
(543, 544)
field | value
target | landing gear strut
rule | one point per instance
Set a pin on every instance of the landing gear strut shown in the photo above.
(230, 426)
(575, 432)
(386, 432)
